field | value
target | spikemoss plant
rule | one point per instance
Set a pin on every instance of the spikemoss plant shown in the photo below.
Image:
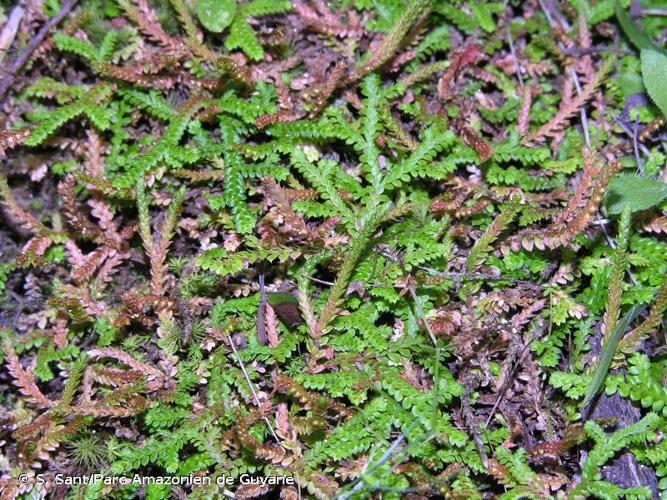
(374, 248)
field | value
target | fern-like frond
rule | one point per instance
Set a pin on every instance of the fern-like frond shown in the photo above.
(90, 104)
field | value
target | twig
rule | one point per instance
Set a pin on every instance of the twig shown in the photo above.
(436, 366)
(369, 469)
(386, 456)
(635, 143)
(653, 12)
(9, 30)
(582, 111)
(471, 275)
(457, 276)
(519, 68)
(547, 14)
(419, 314)
(261, 313)
(583, 51)
(32, 46)
(510, 41)
(252, 387)
(321, 282)
(629, 133)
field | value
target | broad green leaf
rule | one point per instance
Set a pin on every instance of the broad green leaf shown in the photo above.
(634, 191)
(216, 15)
(636, 36)
(654, 71)
(608, 352)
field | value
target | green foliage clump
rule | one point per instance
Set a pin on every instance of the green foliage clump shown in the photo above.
(374, 248)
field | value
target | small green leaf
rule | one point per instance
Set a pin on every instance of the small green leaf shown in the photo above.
(634, 191)
(654, 71)
(216, 15)
(636, 36)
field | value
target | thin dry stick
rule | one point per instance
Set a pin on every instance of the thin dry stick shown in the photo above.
(653, 12)
(577, 83)
(635, 143)
(583, 51)
(9, 30)
(369, 469)
(252, 387)
(321, 282)
(582, 111)
(457, 276)
(261, 312)
(519, 68)
(510, 41)
(32, 46)
(629, 133)
(420, 312)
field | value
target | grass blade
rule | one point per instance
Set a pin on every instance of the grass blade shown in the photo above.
(608, 352)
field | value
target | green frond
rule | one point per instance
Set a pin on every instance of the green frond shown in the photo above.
(371, 128)
(642, 383)
(242, 36)
(218, 261)
(358, 434)
(165, 150)
(94, 56)
(89, 104)
(48, 354)
(606, 446)
(462, 20)
(235, 194)
(258, 8)
(47, 87)
(320, 176)
(76, 46)
(521, 473)
(420, 163)
(152, 101)
(500, 223)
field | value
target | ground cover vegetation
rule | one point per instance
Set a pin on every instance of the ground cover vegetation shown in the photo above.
(386, 248)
